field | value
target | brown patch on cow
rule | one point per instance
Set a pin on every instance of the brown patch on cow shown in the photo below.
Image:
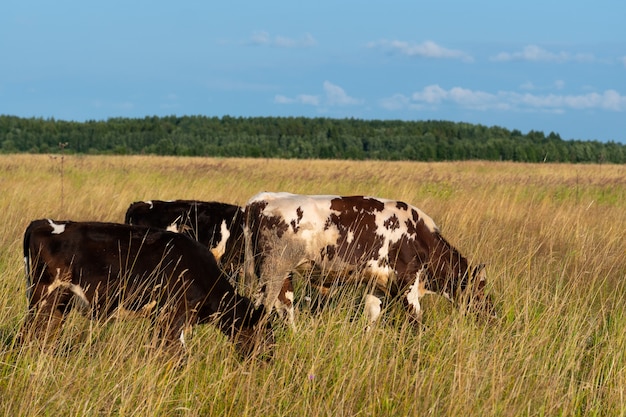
(284, 291)
(356, 222)
(295, 224)
(267, 222)
(392, 223)
(328, 253)
(402, 206)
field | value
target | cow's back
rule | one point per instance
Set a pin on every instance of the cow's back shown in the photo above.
(335, 232)
(217, 225)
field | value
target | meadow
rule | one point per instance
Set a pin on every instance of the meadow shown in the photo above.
(552, 236)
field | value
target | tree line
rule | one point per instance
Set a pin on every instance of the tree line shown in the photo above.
(298, 137)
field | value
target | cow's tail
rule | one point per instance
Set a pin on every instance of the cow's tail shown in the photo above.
(248, 262)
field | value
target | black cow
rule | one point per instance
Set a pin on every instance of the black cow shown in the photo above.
(218, 226)
(111, 269)
(392, 246)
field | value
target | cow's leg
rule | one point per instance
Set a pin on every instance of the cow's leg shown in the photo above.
(46, 316)
(276, 281)
(414, 294)
(284, 302)
(173, 325)
(373, 303)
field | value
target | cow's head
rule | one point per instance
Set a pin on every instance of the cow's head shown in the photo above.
(452, 275)
(469, 292)
(467, 289)
(257, 340)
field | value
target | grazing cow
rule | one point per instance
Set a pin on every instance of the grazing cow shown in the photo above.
(390, 245)
(218, 226)
(109, 270)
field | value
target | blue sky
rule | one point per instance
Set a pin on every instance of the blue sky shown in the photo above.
(554, 66)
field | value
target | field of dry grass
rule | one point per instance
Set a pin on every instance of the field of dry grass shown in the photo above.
(552, 237)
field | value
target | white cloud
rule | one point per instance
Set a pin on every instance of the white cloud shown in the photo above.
(427, 49)
(309, 99)
(260, 38)
(535, 53)
(529, 86)
(608, 100)
(433, 95)
(280, 99)
(334, 95)
(300, 99)
(263, 38)
(396, 102)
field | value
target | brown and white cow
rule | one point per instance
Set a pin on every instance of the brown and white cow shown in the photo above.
(108, 269)
(218, 226)
(393, 247)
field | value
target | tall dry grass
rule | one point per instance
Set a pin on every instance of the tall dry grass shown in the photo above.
(551, 235)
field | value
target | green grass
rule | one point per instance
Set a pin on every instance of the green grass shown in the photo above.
(552, 237)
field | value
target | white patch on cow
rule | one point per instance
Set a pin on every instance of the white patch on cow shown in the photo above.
(372, 308)
(416, 291)
(289, 311)
(56, 283)
(182, 337)
(174, 226)
(57, 229)
(403, 216)
(75, 289)
(219, 249)
(149, 202)
(413, 296)
(308, 214)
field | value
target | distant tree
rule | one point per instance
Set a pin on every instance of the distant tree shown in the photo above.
(299, 138)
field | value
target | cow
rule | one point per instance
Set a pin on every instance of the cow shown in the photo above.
(109, 270)
(218, 226)
(393, 247)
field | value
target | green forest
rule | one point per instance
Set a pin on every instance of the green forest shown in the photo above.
(298, 137)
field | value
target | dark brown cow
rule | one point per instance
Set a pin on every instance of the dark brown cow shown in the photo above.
(109, 269)
(218, 226)
(390, 245)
